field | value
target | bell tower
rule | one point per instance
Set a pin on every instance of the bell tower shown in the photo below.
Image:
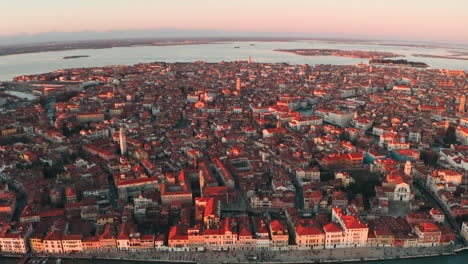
(408, 168)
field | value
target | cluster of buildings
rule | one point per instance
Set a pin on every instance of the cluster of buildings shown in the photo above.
(242, 232)
(239, 155)
(110, 233)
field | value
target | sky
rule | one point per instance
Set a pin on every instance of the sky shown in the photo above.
(417, 20)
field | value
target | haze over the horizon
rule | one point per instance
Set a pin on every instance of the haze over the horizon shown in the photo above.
(415, 20)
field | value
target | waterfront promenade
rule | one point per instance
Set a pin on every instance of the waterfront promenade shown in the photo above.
(291, 256)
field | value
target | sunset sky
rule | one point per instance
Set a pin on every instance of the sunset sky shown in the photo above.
(420, 20)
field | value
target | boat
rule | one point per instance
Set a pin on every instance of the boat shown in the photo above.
(252, 44)
(237, 47)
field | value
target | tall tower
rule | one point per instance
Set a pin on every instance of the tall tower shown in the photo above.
(123, 141)
(238, 84)
(461, 108)
(408, 167)
(370, 68)
(278, 124)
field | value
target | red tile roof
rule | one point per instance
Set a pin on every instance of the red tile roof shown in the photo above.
(332, 228)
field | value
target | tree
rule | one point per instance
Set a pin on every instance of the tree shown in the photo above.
(45, 198)
(52, 172)
(43, 101)
(430, 157)
(450, 137)
(70, 132)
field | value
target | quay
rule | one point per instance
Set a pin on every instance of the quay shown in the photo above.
(264, 256)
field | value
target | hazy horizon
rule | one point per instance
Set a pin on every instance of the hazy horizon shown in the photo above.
(173, 33)
(399, 20)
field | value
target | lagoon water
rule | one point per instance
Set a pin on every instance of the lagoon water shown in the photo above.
(33, 63)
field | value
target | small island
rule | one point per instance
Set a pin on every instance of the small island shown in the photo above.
(400, 62)
(75, 57)
(340, 53)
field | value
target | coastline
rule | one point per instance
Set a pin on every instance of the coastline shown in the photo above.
(97, 45)
(399, 65)
(17, 65)
(287, 256)
(357, 54)
(40, 48)
(355, 260)
(460, 249)
(439, 57)
(115, 43)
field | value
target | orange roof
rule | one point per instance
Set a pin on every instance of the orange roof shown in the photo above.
(332, 228)
(70, 192)
(307, 228)
(134, 181)
(354, 156)
(351, 222)
(176, 233)
(428, 227)
(276, 225)
(72, 237)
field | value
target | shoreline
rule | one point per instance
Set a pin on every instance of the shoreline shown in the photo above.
(163, 44)
(438, 57)
(135, 42)
(214, 256)
(400, 65)
(354, 260)
(357, 54)
(45, 64)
